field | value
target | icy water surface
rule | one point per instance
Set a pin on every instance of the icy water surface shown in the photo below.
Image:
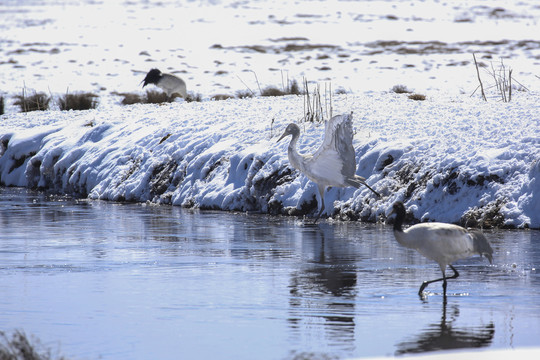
(125, 281)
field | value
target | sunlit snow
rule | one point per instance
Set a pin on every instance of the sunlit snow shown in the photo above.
(452, 157)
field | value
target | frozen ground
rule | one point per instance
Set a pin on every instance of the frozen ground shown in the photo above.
(453, 159)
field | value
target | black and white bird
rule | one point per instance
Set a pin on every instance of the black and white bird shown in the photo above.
(333, 164)
(169, 83)
(441, 242)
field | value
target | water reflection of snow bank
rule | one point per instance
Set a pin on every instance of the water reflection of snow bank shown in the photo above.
(450, 159)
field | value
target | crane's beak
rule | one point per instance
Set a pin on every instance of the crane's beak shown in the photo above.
(282, 136)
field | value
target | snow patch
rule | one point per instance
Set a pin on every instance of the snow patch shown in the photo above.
(452, 160)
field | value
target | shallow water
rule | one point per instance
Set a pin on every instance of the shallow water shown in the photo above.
(100, 280)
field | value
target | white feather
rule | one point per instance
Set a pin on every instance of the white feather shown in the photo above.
(334, 163)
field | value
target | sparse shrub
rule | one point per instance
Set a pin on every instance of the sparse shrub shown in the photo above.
(90, 123)
(38, 101)
(292, 88)
(401, 89)
(417, 97)
(272, 91)
(220, 97)
(154, 97)
(78, 101)
(130, 99)
(503, 81)
(314, 108)
(192, 97)
(20, 347)
(157, 97)
(243, 94)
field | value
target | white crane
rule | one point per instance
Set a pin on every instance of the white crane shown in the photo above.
(440, 242)
(333, 164)
(169, 83)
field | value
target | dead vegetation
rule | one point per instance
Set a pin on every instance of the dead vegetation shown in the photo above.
(417, 97)
(149, 97)
(401, 89)
(154, 97)
(19, 347)
(78, 101)
(38, 101)
(317, 108)
(501, 84)
(288, 87)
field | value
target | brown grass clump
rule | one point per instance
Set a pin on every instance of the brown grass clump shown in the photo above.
(220, 97)
(193, 97)
(36, 102)
(417, 97)
(292, 88)
(78, 101)
(244, 94)
(272, 91)
(401, 89)
(154, 97)
(130, 99)
(157, 97)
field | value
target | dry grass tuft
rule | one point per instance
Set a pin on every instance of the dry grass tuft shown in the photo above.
(157, 97)
(315, 109)
(130, 99)
(20, 347)
(191, 97)
(154, 97)
(503, 82)
(272, 91)
(401, 89)
(291, 88)
(244, 94)
(35, 102)
(78, 101)
(417, 97)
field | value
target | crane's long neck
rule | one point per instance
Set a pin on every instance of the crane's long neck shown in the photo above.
(295, 158)
(399, 234)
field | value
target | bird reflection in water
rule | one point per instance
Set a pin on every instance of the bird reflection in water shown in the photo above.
(445, 336)
(323, 291)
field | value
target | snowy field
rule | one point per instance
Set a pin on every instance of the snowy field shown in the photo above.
(219, 47)
(454, 159)
(451, 158)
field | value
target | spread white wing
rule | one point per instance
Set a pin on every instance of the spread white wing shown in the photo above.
(337, 152)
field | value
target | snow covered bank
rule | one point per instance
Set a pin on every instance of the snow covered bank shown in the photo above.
(449, 159)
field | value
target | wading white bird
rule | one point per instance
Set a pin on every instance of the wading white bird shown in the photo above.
(333, 164)
(441, 242)
(167, 82)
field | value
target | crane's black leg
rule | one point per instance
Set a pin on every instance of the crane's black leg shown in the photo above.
(321, 193)
(376, 193)
(319, 215)
(443, 279)
(456, 274)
